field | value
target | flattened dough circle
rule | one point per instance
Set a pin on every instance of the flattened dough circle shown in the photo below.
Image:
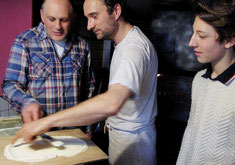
(40, 150)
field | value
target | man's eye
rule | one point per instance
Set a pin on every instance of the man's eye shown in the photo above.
(51, 19)
(64, 20)
(94, 16)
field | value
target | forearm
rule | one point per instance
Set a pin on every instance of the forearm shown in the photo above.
(93, 110)
(85, 113)
(16, 95)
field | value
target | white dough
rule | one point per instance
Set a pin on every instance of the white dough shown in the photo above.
(40, 150)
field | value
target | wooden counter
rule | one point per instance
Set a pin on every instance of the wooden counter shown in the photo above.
(93, 153)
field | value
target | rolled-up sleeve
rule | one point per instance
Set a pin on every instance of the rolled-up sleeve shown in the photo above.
(15, 82)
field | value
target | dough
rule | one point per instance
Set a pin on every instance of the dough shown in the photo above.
(41, 150)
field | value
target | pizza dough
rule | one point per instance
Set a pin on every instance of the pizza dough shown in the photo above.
(41, 150)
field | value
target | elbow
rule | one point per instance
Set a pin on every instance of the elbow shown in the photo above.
(115, 98)
(113, 110)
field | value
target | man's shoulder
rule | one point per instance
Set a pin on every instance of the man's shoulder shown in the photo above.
(32, 33)
(137, 45)
(27, 35)
(137, 38)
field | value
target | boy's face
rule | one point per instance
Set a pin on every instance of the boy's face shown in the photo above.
(205, 42)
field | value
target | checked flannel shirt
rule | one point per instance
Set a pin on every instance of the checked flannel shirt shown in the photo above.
(35, 73)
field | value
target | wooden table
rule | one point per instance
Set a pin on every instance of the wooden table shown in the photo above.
(93, 153)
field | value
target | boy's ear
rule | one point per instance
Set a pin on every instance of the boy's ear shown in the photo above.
(230, 43)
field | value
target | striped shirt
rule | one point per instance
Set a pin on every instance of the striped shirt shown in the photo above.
(36, 74)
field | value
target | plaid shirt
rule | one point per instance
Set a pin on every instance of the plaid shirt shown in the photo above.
(35, 73)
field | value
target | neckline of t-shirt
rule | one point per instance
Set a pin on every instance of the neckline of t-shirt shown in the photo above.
(125, 38)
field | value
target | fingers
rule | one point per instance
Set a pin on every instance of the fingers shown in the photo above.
(41, 113)
(35, 115)
(27, 138)
(30, 130)
(15, 138)
(26, 132)
(32, 112)
(26, 117)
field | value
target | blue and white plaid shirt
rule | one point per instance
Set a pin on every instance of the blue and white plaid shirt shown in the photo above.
(35, 73)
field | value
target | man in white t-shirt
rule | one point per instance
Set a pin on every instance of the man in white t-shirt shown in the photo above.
(130, 104)
(134, 66)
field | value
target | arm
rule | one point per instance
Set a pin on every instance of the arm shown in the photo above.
(15, 83)
(88, 112)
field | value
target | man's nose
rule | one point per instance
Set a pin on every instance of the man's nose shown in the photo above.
(90, 24)
(58, 24)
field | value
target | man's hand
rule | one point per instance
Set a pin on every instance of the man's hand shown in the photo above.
(32, 112)
(30, 130)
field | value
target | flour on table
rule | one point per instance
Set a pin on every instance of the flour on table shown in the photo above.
(40, 150)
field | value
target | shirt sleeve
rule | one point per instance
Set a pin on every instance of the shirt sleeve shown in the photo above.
(131, 70)
(88, 77)
(15, 82)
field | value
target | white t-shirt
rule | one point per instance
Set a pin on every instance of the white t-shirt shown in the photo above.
(134, 65)
(60, 45)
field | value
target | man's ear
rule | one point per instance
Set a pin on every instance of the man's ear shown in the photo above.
(41, 14)
(117, 10)
(230, 43)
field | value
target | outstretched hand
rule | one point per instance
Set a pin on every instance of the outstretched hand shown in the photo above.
(30, 130)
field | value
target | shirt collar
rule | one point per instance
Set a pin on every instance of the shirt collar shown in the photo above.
(226, 77)
(41, 31)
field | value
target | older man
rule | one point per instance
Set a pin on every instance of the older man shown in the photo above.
(49, 68)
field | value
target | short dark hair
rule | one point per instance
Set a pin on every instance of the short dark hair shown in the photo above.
(220, 14)
(123, 3)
